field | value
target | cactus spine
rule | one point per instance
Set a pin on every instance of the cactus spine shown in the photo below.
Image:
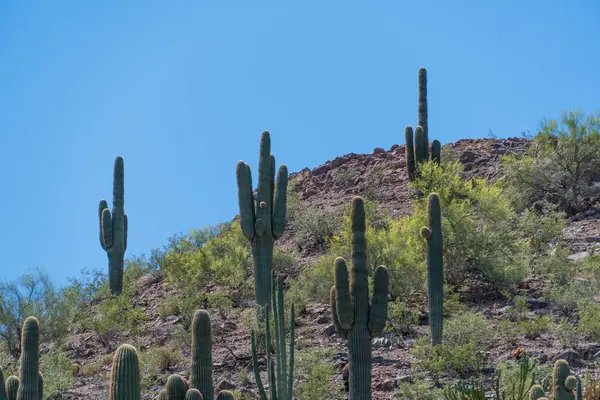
(262, 220)
(30, 361)
(563, 383)
(354, 318)
(281, 383)
(12, 386)
(125, 374)
(113, 229)
(435, 267)
(201, 376)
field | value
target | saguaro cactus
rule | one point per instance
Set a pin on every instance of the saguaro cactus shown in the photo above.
(537, 393)
(125, 374)
(113, 229)
(563, 383)
(193, 394)
(262, 220)
(435, 267)
(177, 387)
(281, 383)
(353, 316)
(409, 152)
(225, 395)
(436, 151)
(422, 117)
(12, 387)
(201, 376)
(29, 388)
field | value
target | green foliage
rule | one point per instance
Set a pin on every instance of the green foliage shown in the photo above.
(57, 370)
(401, 318)
(562, 164)
(32, 294)
(155, 364)
(477, 223)
(315, 375)
(464, 341)
(420, 389)
(312, 226)
(567, 333)
(588, 312)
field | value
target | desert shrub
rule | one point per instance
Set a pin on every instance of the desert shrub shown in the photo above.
(588, 312)
(567, 333)
(57, 370)
(401, 318)
(419, 389)
(512, 380)
(540, 225)
(155, 364)
(315, 372)
(312, 225)
(536, 326)
(478, 225)
(561, 166)
(461, 351)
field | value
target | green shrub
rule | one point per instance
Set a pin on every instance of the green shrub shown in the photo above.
(535, 327)
(401, 318)
(155, 364)
(588, 312)
(315, 372)
(567, 333)
(461, 351)
(57, 370)
(420, 389)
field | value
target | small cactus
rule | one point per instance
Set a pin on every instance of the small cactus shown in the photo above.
(113, 229)
(435, 267)
(354, 318)
(29, 388)
(536, 392)
(225, 395)
(177, 388)
(262, 220)
(563, 383)
(162, 395)
(12, 386)
(125, 374)
(193, 394)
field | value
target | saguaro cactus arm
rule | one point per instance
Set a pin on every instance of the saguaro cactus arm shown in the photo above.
(379, 301)
(30, 360)
(343, 304)
(202, 371)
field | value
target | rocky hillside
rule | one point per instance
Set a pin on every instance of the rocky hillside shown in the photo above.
(381, 177)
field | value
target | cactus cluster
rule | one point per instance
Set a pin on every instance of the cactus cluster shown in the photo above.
(564, 386)
(435, 267)
(417, 142)
(356, 319)
(113, 229)
(262, 219)
(280, 374)
(125, 373)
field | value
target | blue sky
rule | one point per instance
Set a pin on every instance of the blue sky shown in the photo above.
(182, 90)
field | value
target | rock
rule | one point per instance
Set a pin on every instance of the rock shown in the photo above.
(322, 319)
(385, 386)
(329, 330)
(571, 356)
(225, 385)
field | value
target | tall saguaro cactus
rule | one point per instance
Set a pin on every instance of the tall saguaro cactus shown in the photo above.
(262, 220)
(29, 388)
(201, 376)
(353, 316)
(281, 383)
(113, 229)
(435, 267)
(125, 374)
(422, 117)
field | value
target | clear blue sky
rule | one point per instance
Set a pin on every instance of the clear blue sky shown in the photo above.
(182, 90)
